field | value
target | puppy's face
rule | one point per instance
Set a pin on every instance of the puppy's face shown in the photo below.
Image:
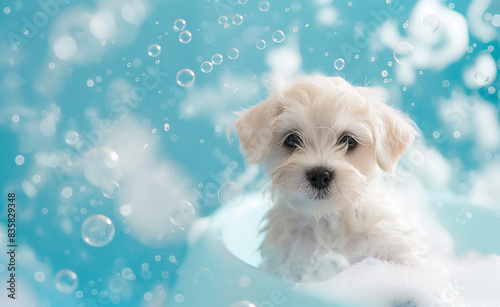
(322, 141)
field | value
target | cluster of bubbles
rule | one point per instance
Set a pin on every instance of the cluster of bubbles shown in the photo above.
(98, 230)
(186, 77)
(237, 20)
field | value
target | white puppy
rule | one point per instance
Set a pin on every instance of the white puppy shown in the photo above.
(323, 143)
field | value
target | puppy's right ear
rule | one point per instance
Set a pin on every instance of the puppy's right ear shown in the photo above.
(254, 129)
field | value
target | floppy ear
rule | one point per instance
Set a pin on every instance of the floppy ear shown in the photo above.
(254, 129)
(393, 133)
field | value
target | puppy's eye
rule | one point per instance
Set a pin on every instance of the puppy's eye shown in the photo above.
(348, 141)
(293, 140)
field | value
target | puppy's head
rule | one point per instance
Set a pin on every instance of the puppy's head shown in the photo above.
(322, 140)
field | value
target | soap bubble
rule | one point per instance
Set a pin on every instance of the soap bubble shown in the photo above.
(231, 194)
(110, 189)
(71, 137)
(67, 192)
(101, 164)
(154, 50)
(19, 159)
(278, 36)
(179, 25)
(185, 77)
(384, 73)
(206, 67)
(481, 78)
(339, 64)
(243, 304)
(237, 20)
(403, 52)
(233, 53)
(66, 281)
(203, 277)
(217, 59)
(166, 127)
(431, 22)
(185, 37)
(264, 6)
(127, 273)
(181, 213)
(222, 20)
(261, 44)
(98, 230)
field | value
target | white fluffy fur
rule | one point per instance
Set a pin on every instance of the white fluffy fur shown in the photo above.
(310, 239)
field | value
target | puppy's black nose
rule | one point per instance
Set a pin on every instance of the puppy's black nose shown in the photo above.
(319, 178)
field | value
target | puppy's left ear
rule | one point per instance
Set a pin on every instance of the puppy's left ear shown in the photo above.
(254, 129)
(393, 130)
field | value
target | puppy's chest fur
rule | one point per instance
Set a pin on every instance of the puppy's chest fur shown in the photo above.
(304, 249)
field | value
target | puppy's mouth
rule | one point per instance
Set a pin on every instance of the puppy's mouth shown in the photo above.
(320, 194)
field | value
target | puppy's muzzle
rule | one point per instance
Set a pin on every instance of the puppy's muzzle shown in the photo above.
(319, 177)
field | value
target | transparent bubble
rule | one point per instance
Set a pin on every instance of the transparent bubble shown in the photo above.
(98, 230)
(19, 159)
(67, 192)
(40, 276)
(101, 164)
(166, 127)
(278, 36)
(181, 213)
(481, 78)
(217, 59)
(431, 22)
(233, 53)
(206, 67)
(339, 64)
(237, 20)
(179, 298)
(110, 189)
(71, 137)
(295, 29)
(185, 37)
(403, 52)
(154, 50)
(127, 273)
(349, 3)
(203, 277)
(384, 73)
(242, 2)
(66, 281)
(222, 20)
(261, 44)
(264, 6)
(243, 304)
(231, 194)
(179, 25)
(244, 281)
(185, 77)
